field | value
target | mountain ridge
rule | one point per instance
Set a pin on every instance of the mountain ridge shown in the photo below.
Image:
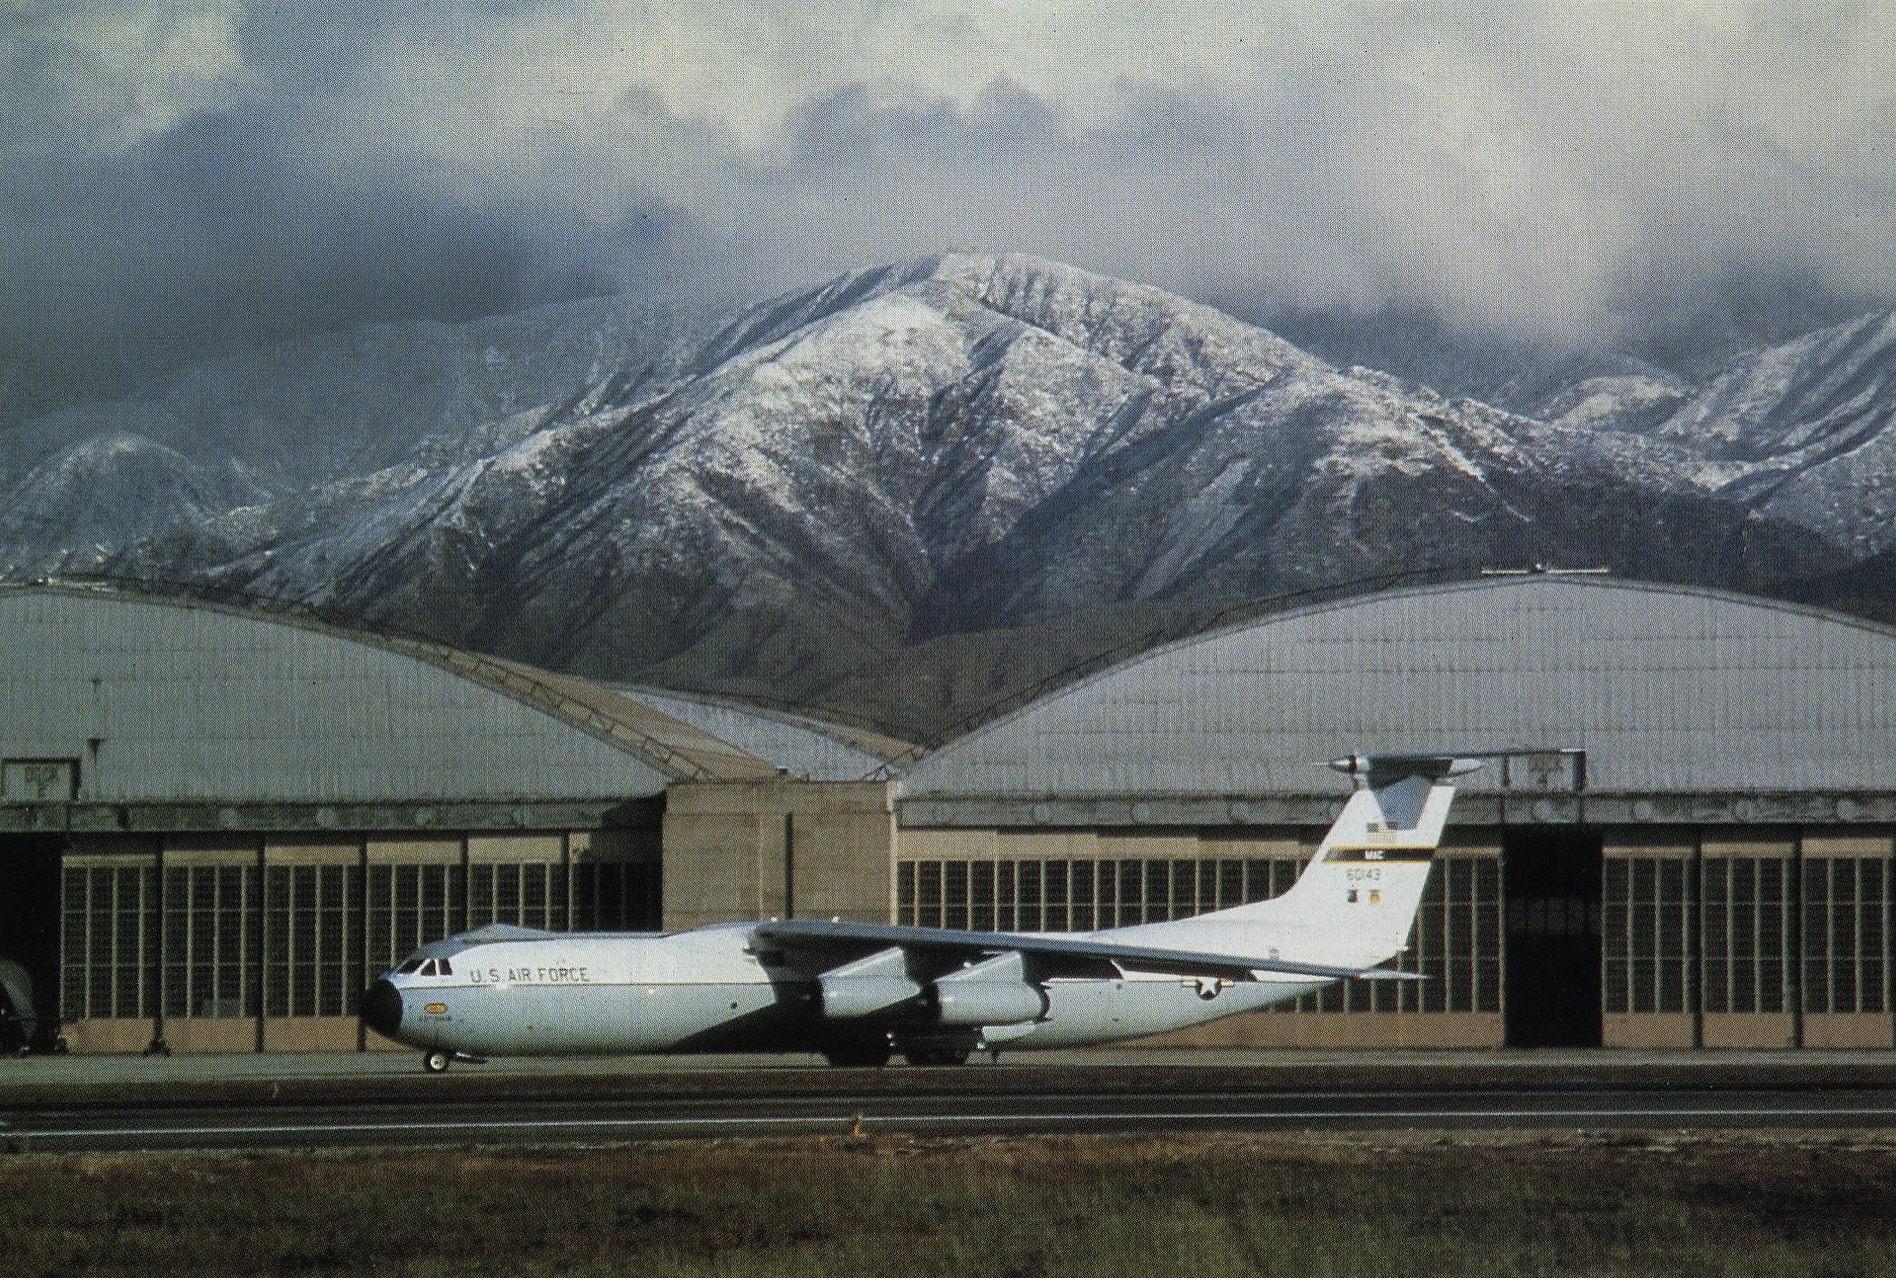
(773, 496)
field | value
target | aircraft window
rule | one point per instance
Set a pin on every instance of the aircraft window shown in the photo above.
(442, 967)
(428, 968)
(410, 967)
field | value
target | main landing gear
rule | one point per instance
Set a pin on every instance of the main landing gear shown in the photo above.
(873, 1054)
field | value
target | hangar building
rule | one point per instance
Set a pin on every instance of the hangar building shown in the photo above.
(219, 824)
(216, 826)
(1718, 876)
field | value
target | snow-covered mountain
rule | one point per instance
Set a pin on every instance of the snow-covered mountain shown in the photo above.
(919, 450)
(344, 404)
(83, 505)
(1807, 431)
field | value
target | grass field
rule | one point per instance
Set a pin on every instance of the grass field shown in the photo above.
(1677, 1206)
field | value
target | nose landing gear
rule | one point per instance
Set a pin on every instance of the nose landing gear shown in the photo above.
(436, 1062)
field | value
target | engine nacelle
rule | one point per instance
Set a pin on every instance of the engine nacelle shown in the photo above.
(848, 997)
(867, 986)
(992, 992)
(988, 1002)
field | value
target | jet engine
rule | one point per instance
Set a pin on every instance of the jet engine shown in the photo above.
(992, 992)
(867, 986)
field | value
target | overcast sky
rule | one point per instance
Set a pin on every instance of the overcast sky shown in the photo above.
(176, 176)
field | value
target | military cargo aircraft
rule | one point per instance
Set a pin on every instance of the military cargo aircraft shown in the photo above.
(858, 993)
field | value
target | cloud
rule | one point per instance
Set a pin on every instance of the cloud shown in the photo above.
(188, 176)
(100, 76)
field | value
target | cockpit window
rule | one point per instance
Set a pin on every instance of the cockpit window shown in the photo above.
(410, 967)
(441, 966)
(428, 968)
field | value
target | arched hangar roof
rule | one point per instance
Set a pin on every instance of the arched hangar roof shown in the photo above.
(150, 700)
(805, 748)
(1691, 704)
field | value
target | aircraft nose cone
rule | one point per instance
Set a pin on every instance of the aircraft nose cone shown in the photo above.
(382, 1008)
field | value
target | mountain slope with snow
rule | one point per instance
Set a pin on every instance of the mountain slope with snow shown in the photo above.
(956, 444)
(1809, 432)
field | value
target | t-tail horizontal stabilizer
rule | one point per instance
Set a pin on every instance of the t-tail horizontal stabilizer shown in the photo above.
(1379, 771)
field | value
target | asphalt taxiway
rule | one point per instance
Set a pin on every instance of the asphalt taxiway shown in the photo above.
(284, 1101)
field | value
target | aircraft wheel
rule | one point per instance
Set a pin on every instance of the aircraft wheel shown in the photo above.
(929, 1056)
(859, 1055)
(436, 1062)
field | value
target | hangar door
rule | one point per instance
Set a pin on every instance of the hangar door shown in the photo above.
(1550, 881)
(29, 914)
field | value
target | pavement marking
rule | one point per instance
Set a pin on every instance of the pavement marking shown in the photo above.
(1668, 1118)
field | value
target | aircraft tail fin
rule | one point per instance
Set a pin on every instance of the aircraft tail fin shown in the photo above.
(1355, 903)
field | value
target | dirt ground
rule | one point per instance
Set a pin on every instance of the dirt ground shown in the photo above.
(1677, 1203)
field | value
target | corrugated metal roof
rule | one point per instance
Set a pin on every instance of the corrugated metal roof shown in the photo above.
(166, 701)
(804, 748)
(1669, 690)
(680, 745)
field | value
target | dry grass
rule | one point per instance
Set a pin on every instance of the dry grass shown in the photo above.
(1201, 1207)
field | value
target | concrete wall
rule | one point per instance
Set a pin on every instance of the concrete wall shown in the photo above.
(778, 848)
(1439, 1030)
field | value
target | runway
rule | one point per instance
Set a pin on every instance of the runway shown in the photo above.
(76, 1103)
(423, 1120)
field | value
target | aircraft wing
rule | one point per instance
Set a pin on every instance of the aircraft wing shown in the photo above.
(826, 945)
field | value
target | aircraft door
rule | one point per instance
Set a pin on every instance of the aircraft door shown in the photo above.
(1551, 882)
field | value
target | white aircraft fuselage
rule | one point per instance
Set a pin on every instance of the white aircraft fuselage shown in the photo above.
(713, 989)
(858, 992)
